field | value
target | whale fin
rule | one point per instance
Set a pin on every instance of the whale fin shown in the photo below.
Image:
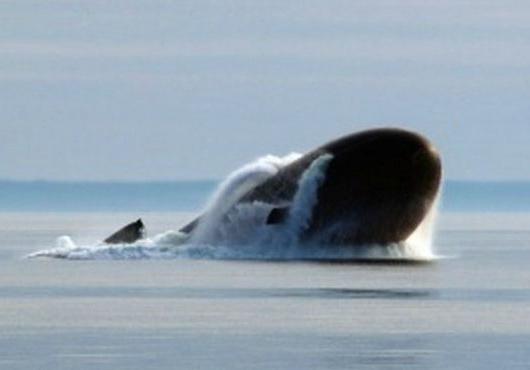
(127, 234)
(277, 215)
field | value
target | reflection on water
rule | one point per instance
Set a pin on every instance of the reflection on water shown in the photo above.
(445, 294)
(210, 293)
(336, 293)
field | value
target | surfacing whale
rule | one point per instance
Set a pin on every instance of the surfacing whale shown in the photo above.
(377, 186)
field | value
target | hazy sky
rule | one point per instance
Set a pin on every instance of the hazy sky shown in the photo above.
(134, 90)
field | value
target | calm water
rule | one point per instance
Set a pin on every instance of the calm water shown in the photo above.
(470, 310)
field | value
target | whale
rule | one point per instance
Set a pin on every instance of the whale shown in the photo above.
(376, 188)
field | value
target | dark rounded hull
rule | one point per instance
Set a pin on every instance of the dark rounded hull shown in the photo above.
(379, 186)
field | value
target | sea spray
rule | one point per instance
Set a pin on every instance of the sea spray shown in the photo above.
(244, 224)
(305, 199)
(237, 184)
(420, 243)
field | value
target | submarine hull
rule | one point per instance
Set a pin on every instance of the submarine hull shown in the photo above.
(378, 187)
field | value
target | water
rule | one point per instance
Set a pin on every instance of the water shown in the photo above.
(171, 196)
(468, 309)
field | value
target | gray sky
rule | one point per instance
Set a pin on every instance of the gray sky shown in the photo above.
(145, 90)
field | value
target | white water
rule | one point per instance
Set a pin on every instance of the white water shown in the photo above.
(239, 231)
(236, 185)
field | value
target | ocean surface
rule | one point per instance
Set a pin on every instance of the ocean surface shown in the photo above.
(469, 308)
(190, 196)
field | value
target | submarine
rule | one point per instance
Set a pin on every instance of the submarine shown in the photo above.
(377, 188)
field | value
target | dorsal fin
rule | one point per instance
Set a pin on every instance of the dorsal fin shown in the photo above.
(127, 234)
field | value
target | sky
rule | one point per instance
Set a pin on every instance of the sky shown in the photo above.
(172, 90)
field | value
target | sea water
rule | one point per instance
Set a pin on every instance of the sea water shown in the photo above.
(469, 308)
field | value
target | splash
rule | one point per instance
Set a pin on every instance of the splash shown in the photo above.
(420, 243)
(237, 184)
(232, 230)
(304, 201)
(244, 224)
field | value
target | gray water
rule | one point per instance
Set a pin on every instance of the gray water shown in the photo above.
(469, 309)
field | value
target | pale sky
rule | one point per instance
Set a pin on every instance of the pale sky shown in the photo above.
(162, 90)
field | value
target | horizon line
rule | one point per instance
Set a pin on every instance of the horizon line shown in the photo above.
(211, 180)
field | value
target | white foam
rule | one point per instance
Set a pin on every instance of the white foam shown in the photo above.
(237, 184)
(420, 243)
